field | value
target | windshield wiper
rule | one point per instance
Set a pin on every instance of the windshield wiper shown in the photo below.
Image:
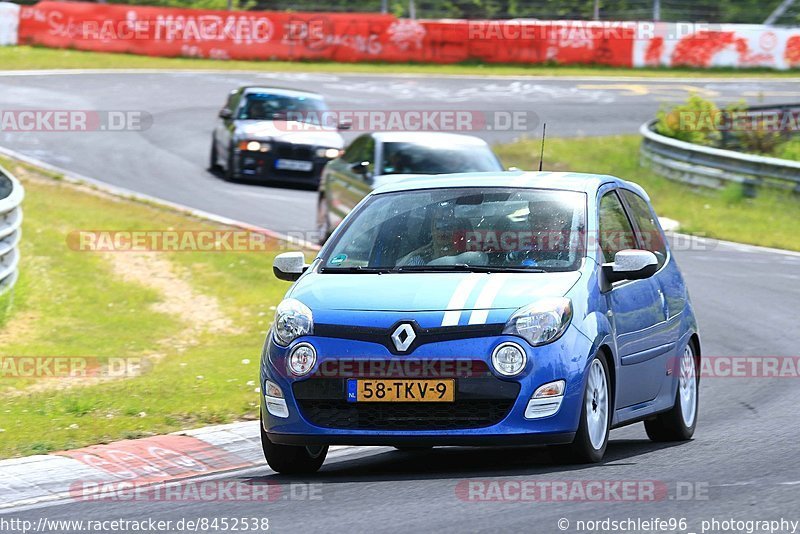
(463, 267)
(357, 269)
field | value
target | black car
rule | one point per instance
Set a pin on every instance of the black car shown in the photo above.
(273, 134)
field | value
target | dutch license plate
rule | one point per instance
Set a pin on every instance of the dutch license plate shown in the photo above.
(359, 390)
(293, 165)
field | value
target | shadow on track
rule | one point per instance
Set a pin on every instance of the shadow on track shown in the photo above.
(460, 462)
(219, 174)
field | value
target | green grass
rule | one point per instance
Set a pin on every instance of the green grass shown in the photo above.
(28, 58)
(70, 303)
(769, 219)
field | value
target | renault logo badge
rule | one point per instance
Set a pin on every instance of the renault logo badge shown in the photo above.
(403, 337)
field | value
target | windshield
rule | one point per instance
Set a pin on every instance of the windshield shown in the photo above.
(413, 158)
(487, 229)
(267, 107)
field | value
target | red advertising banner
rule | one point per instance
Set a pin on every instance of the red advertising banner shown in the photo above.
(337, 37)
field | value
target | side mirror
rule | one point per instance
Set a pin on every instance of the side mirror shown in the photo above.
(344, 125)
(362, 167)
(631, 265)
(225, 113)
(289, 266)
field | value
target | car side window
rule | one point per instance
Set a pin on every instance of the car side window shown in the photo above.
(616, 232)
(649, 233)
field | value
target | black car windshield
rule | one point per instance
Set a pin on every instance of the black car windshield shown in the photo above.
(266, 107)
(470, 229)
(416, 158)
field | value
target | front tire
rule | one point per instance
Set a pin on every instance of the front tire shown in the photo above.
(229, 175)
(591, 439)
(679, 423)
(291, 459)
(213, 165)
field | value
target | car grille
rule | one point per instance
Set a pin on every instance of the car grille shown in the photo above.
(405, 416)
(481, 400)
(292, 151)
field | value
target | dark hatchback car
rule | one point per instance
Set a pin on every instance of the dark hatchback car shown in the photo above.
(268, 134)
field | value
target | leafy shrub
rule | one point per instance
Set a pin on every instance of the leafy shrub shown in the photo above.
(789, 150)
(693, 122)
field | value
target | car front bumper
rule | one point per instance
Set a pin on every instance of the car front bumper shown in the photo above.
(263, 166)
(342, 423)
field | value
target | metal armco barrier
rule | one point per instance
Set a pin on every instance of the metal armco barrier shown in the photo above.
(715, 167)
(11, 195)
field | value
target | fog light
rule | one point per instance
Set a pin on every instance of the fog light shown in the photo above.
(509, 359)
(546, 400)
(302, 359)
(273, 396)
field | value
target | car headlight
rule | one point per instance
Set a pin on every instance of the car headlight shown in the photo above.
(542, 322)
(254, 146)
(292, 320)
(302, 359)
(329, 153)
(509, 359)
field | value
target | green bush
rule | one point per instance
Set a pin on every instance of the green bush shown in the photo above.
(693, 122)
(789, 150)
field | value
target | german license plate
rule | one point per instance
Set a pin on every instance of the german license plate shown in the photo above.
(359, 390)
(293, 165)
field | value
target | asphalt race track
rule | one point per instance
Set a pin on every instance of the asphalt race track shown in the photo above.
(169, 159)
(742, 462)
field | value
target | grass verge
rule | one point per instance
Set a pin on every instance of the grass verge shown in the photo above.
(767, 220)
(31, 58)
(196, 319)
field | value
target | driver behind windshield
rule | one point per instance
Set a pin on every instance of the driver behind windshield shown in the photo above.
(444, 227)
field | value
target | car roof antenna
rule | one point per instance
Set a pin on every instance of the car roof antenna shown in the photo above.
(541, 154)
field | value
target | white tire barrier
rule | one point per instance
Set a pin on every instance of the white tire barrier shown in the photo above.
(11, 195)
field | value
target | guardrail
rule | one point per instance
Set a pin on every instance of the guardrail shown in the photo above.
(11, 195)
(716, 167)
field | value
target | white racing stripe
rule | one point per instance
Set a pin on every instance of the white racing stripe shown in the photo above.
(486, 298)
(459, 299)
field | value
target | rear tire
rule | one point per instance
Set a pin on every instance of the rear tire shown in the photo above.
(291, 459)
(591, 439)
(679, 423)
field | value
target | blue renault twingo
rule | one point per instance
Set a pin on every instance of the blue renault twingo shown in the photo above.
(482, 309)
